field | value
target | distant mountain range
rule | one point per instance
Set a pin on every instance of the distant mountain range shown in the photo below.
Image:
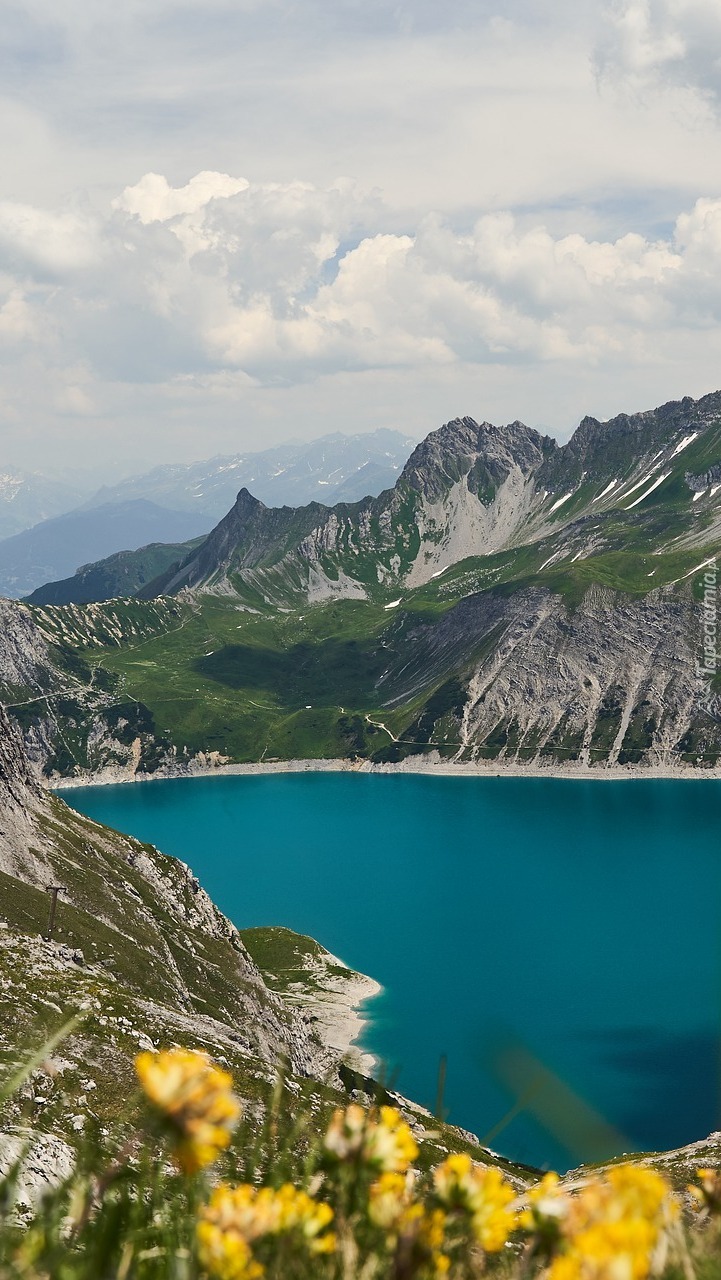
(27, 499)
(56, 547)
(646, 483)
(335, 468)
(175, 503)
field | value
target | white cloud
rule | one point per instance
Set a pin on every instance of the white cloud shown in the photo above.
(256, 280)
(61, 242)
(285, 285)
(154, 200)
(664, 42)
(529, 254)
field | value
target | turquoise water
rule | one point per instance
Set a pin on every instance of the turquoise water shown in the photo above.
(555, 940)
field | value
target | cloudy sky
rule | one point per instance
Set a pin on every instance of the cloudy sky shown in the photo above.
(225, 224)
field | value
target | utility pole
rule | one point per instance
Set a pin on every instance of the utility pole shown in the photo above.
(53, 890)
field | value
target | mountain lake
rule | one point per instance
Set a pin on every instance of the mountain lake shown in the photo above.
(554, 942)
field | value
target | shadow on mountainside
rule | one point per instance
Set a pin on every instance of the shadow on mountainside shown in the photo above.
(331, 673)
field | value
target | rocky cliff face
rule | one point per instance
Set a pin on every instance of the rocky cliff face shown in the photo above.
(17, 784)
(484, 455)
(20, 796)
(610, 682)
(71, 716)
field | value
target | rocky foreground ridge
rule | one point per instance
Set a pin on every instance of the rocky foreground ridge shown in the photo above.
(138, 914)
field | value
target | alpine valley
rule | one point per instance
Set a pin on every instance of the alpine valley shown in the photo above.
(509, 601)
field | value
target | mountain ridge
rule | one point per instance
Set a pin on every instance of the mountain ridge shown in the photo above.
(335, 465)
(472, 489)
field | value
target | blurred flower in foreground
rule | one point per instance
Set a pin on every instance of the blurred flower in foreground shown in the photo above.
(414, 1232)
(299, 1211)
(480, 1191)
(707, 1197)
(547, 1207)
(380, 1139)
(195, 1098)
(608, 1251)
(615, 1227)
(390, 1199)
(236, 1217)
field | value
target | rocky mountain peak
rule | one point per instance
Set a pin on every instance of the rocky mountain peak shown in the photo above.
(484, 452)
(597, 445)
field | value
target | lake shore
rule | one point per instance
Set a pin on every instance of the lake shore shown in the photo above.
(430, 764)
(335, 997)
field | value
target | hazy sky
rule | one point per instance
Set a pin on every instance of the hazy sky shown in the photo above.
(225, 224)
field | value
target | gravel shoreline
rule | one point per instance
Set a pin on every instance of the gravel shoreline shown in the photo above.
(429, 764)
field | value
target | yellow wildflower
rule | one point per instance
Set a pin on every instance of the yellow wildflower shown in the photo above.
(388, 1199)
(381, 1139)
(389, 1143)
(298, 1210)
(547, 1207)
(197, 1100)
(251, 1212)
(615, 1250)
(432, 1234)
(624, 1192)
(346, 1132)
(708, 1195)
(226, 1255)
(481, 1192)
(616, 1227)
(545, 1202)
(412, 1231)
(419, 1235)
(639, 1191)
(225, 1229)
(235, 1218)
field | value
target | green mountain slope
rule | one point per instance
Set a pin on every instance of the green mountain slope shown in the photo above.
(123, 574)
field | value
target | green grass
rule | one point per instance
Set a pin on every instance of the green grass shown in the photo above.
(241, 682)
(286, 958)
(626, 571)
